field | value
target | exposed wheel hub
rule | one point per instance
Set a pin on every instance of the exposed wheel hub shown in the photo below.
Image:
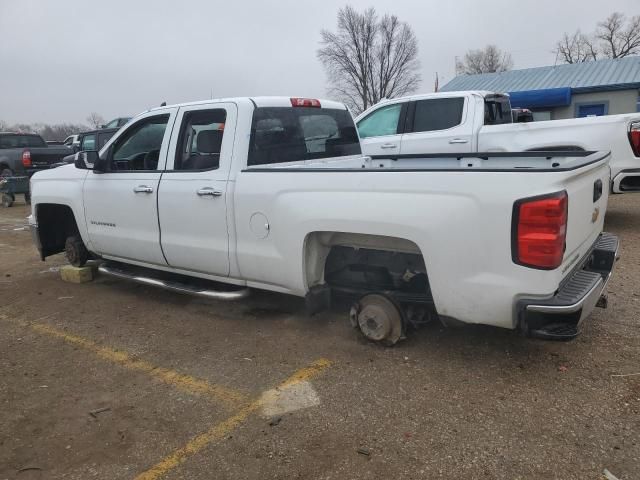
(374, 322)
(378, 318)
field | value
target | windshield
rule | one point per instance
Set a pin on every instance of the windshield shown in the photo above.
(21, 141)
(285, 134)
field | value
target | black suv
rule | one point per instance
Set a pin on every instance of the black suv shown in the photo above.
(92, 140)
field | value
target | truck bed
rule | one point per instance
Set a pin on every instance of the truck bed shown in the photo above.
(462, 224)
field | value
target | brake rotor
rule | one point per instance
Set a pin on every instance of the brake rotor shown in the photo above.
(378, 318)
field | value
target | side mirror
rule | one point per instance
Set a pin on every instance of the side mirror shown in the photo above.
(100, 164)
(86, 160)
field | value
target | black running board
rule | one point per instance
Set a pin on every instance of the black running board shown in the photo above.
(175, 283)
(556, 331)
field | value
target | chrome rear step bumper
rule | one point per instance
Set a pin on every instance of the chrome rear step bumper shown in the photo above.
(559, 317)
(144, 277)
(627, 181)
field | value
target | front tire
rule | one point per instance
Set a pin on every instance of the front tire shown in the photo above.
(75, 251)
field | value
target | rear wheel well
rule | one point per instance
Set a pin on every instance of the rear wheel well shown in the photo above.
(56, 223)
(345, 261)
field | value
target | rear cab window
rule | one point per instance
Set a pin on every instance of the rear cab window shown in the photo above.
(293, 134)
(497, 110)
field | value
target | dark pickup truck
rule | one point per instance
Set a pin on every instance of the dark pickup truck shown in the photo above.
(27, 153)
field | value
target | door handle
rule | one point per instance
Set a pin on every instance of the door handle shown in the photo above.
(143, 189)
(208, 192)
(459, 140)
(388, 145)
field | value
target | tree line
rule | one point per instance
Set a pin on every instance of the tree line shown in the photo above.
(369, 57)
(54, 132)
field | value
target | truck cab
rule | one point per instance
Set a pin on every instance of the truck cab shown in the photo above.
(438, 123)
(481, 121)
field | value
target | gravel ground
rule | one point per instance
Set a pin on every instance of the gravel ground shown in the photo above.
(473, 402)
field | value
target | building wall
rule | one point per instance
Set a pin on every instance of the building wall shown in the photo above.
(618, 101)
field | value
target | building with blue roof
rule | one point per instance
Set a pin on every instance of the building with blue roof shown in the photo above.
(602, 87)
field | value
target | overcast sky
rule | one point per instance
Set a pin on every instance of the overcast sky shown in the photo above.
(61, 60)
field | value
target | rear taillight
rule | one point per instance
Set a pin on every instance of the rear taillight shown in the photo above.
(539, 231)
(305, 102)
(634, 138)
(26, 158)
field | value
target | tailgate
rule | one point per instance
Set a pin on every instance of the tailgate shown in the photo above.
(45, 157)
(588, 192)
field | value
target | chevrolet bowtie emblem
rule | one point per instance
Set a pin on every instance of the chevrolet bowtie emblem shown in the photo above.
(595, 215)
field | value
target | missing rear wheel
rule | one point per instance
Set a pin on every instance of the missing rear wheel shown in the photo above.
(378, 318)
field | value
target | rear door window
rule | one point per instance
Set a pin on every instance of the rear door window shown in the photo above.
(285, 134)
(437, 114)
(200, 140)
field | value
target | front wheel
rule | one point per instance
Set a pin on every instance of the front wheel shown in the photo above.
(75, 251)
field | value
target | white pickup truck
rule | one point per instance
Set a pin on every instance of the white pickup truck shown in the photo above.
(274, 193)
(481, 121)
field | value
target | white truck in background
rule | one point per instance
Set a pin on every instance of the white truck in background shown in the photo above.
(481, 121)
(274, 193)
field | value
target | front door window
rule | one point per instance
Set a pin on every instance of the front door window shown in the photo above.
(139, 147)
(383, 121)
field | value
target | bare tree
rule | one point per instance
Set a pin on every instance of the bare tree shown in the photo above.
(60, 131)
(95, 120)
(614, 38)
(619, 40)
(487, 60)
(369, 58)
(576, 48)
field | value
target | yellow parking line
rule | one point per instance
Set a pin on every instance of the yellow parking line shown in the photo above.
(221, 430)
(217, 393)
